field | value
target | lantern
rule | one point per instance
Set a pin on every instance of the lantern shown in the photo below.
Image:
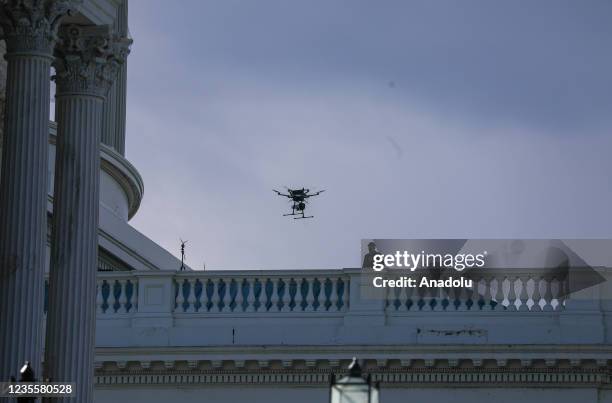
(353, 388)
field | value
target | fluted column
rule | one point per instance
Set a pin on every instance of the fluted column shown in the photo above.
(113, 120)
(87, 59)
(29, 30)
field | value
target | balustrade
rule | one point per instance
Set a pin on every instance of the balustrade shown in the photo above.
(493, 290)
(272, 292)
(266, 293)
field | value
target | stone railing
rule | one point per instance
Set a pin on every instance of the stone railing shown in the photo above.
(492, 290)
(204, 308)
(261, 292)
(116, 293)
(258, 292)
(323, 292)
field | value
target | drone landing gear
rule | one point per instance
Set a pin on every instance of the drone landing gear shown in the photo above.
(298, 218)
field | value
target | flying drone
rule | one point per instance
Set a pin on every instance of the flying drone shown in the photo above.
(299, 198)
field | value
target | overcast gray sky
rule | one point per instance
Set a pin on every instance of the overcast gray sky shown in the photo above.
(420, 118)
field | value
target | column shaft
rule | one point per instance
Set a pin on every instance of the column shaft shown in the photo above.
(121, 101)
(72, 283)
(23, 212)
(114, 115)
(86, 63)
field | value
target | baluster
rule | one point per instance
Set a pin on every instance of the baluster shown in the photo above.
(482, 290)
(563, 291)
(402, 299)
(239, 300)
(191, 297)
(299, 297)
(393, 301)
(227, 296)
(122, 300)
(333, 295)
(419, 298)
(555, 287)
(547, 294)
(286, 300)
(523, 296)
(134, 300)
(512, 295)
(346, 294)
(215, 297)
(180, 298)
(445, 299)
(386, 301)
(310, 295)
(135, 296)
(99, 297)
(475, 295)
(452, 299)
(486, 298)
(499, 293)
(112, 298)
(461, 295)
(250, 294)
(225, 299)
(435, 299)
(505, 288)
(468, 296)
(411, 301)
(536, 296)
(429, 298)
(274, 296)
(531, 289)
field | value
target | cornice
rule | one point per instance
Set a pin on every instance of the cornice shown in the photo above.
(415, 350)
(537, 365)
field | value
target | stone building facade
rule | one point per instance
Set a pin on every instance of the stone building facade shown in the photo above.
(165, 335)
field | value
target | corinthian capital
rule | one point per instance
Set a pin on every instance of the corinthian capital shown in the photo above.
(30, 26)
(87, 59)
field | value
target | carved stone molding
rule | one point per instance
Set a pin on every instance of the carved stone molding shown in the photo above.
(30, 26)
(374, 365)
(87, 59)
(425, 377)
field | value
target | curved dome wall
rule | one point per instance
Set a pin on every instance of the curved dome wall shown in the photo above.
(121, 186)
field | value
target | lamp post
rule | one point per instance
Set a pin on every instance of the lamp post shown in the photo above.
(353, 388)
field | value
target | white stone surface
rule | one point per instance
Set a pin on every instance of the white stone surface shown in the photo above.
(305, 394)
(84, 72)
(29, 32)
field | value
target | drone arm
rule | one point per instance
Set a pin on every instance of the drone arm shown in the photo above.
(279, 193)
(316, 194)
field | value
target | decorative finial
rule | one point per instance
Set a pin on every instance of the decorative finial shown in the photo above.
(183, 254)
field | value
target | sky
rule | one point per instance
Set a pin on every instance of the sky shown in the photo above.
(420, 119)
